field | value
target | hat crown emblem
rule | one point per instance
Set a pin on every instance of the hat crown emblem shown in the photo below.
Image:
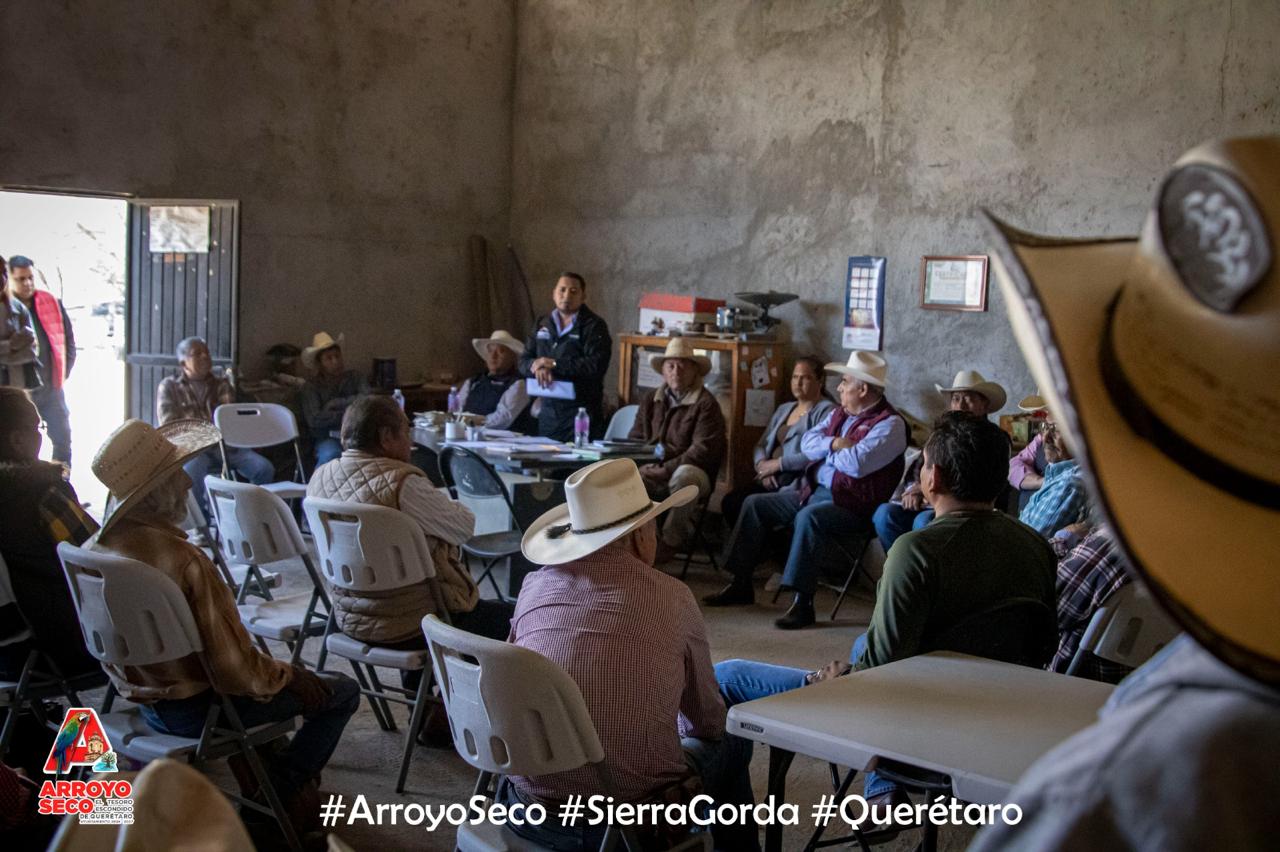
(1213, 234)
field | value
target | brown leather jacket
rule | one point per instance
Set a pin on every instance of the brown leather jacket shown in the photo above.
(691, 432)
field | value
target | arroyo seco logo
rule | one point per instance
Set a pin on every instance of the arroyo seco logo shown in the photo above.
(83, 742)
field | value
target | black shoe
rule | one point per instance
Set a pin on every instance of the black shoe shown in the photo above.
(734, 594)
(800, 614)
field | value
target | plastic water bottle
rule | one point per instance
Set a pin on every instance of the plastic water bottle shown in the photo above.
(453, 400)
(398, 396)
(581, 428)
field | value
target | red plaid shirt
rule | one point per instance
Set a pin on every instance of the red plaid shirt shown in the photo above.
(635, 643)
(1087, 575)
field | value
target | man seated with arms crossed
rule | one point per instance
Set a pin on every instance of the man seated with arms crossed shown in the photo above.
(907, 509)
(193, 394)
(326, 395)
(968, 561)
(855, 460)
(498, 392)
(374, 468)
(1061, 498)
(631, 638)
(142, 468)
(684, 421)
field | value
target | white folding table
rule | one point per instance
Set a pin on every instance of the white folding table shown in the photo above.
(979, 721)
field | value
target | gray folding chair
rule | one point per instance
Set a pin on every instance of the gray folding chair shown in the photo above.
(470, 478)
(256, 528)
(367, 549)
(1128, 629)
(621, 422)
(132, 615)
(255, 425)
(514, 712)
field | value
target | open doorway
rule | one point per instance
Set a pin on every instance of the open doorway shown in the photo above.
(79, 248)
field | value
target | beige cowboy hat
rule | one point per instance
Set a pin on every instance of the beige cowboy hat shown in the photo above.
(1158, 356)
(1032, 404)
(137, 457)
(502, 338)
(972, 380)
(865, 366)
(603, 502)
(320, 341)
(678, 347)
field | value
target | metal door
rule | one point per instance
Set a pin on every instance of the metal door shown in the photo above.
(178, 293)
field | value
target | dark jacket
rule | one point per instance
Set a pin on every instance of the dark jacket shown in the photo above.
(691, 432)
(582, 356)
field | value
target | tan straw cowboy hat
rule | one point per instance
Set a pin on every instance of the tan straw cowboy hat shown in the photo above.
(1032, 404)
(972, 380)
(678, 347)
(500, 337)
(864, 366)
(1158, 356)
(603, 502)
(320, 341)
(137, 457)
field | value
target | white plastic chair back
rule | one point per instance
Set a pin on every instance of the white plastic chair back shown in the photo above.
(621, 422)
(255, 424)
(254, 525)
(366, 548)
(513, 711)
(1128, 629)
(130, 613)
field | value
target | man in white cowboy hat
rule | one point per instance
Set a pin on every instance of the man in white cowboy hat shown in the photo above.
(326, 395)
(631, 637)
(906, 509)
(141, 467)
(1150, 351)
(498, 392)
(856, 459)
(1026, 469)
(683, 420)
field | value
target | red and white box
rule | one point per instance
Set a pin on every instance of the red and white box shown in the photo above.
(676, 312)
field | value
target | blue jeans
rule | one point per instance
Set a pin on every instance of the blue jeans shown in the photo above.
(51, 402)
(746, 680)
(327, 449)
(825, 536)
(244, 462)
(312, 745)
(891, 521)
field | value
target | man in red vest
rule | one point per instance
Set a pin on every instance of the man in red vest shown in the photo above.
(57, 352)
(856, 460)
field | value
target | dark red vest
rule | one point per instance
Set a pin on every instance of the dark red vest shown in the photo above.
(46, 307)
(862, 494)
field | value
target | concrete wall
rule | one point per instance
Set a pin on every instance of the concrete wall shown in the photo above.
(366, 140)
(711, 147)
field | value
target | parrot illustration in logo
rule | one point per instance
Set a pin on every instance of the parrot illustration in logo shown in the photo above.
(65, 743)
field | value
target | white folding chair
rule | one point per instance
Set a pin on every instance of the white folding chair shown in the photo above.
(366, 549)
(132, 615)
(1128, 629)
(621, 422)
(256, 528)
(514, 712)
(254, 425)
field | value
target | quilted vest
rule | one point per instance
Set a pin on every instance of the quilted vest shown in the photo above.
(396, 615)
(862, 494)
(46, 308)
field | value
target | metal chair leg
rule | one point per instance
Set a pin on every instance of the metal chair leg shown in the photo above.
(415, 725)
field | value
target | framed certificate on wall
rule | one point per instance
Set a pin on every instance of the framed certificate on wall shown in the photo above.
(954, 282)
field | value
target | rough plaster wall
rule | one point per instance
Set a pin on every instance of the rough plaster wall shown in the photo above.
(365, 139)
(711, 147)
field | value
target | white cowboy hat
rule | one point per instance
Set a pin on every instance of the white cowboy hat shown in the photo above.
(320, 341)
(972, 380)
(865, 366)
(603, 502)
(137, 457)
(502, 338)
(1032, 404)
(1158, 357)
(678, 347)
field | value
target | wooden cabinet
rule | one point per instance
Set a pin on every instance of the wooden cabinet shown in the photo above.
(733, 364)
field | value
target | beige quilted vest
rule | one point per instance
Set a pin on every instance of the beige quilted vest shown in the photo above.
(396, 615)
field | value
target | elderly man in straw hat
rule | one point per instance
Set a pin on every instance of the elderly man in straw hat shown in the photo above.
(498, 392)
(855, 460)
(631, 637)
(907, 508)
(1026, 469)
(1147, 349)
(327, 393)
(684, 422)
(142, 468)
